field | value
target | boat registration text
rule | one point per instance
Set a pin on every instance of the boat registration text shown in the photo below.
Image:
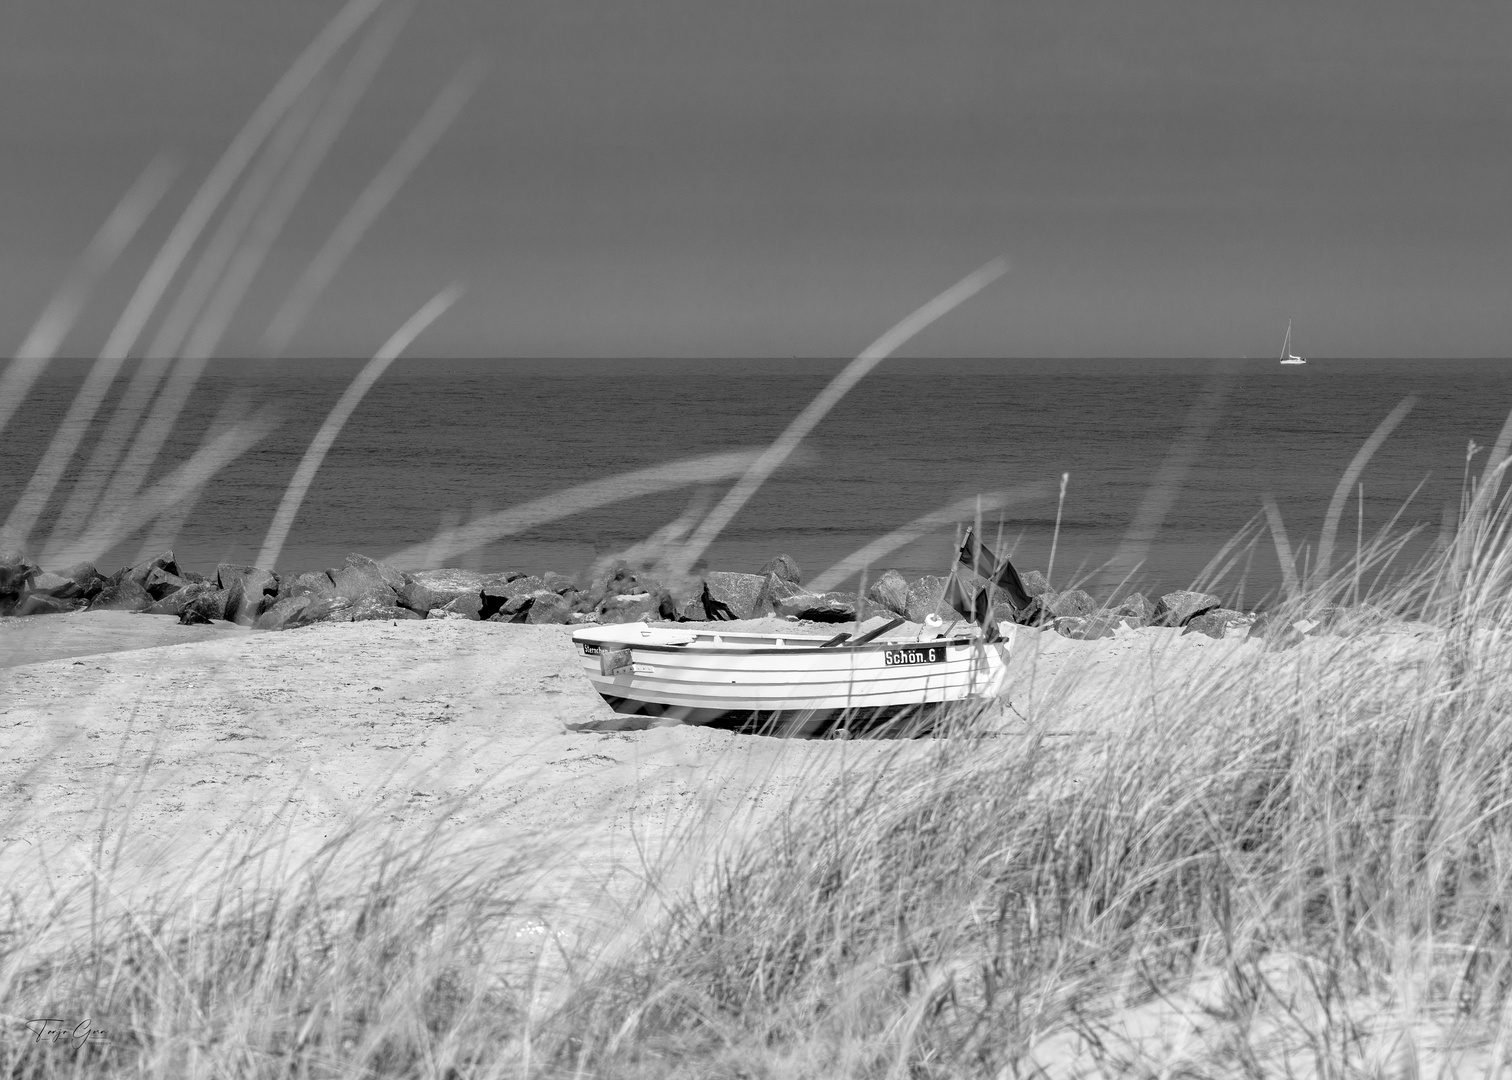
(927, 654)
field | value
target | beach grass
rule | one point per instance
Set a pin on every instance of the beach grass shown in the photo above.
(1293, 863)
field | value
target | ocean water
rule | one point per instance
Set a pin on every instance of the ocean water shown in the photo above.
(436, 442)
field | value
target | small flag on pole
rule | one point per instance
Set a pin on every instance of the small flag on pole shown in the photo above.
(972, 608)
(980, 560)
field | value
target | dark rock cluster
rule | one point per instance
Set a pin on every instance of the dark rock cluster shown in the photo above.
(366, 588)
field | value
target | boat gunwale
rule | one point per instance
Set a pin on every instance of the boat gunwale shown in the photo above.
(842, 649)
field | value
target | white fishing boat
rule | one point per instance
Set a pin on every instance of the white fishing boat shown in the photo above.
(790, 683)
(1286, 353)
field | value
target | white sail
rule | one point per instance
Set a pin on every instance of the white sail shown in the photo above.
(1286, 353)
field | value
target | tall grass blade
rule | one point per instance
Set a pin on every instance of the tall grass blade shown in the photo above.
(132, 448)
(784, 445)
(309, 465)
(217, 185)
(1290, 584)
(870, 555)
(253, 225)
(182, 483)
(1060, 505)
(1347, 482)
(45, 337)
(367, 206)
(636, 484)
(331, 119)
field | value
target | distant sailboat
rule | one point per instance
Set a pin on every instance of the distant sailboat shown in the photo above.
(1286, 353)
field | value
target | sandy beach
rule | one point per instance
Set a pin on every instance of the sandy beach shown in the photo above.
(165, 750)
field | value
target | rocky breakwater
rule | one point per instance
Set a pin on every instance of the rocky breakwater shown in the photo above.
(365, 588)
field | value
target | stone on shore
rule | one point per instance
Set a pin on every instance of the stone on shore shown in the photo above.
(160, 582)
(143, 570)
(830, 607)
(374, 608)
(632, 607)
(15, 577)
(56, 586)
(422, 598)
(1137, 606)
(284, 612)
(1175, 608)
(549, 607)
(467, 606)
(208, 606)
(926, 597)
(1072, 603)
(1035, 583)
(785, 567)
(85, 576)
(503, 602)
(890, 591)
(249, 591)
(393, 577)
(316, 583)
(174, 603)
(733, 596)
(124, 595)
(40, 603)
(363, 581)
(454, 581)
(1215, 623)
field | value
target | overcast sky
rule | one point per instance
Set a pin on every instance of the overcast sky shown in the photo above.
(775, 178)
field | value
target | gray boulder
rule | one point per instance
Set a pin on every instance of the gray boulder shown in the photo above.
(1035, 583)
(143, 570)
(125, 595)
(326, 609)
(1175, 608)
(85, 576)
(830, 607)
(207, 605)
(467, 606)
(890, 591)
(1072, 603)
(1139, 607)
(509, 599)
(174, 603)
(249, 592)
(55, 586)
(549, 607)
(557, 583)
(926, 597)
(422, 598)
(316, 583)
(374, 608)
(159, 583)
(1087, 627)
(733, 596)
(40, 603)
(364, 580)
(785, 567)
(456, 581)
(1215, 623)
(284, 613)
(393, 577)
(15, 578)
(630, 607)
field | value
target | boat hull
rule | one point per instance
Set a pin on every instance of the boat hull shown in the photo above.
(787, 683)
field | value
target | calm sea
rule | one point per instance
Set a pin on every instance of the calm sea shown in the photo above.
(436, 442)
